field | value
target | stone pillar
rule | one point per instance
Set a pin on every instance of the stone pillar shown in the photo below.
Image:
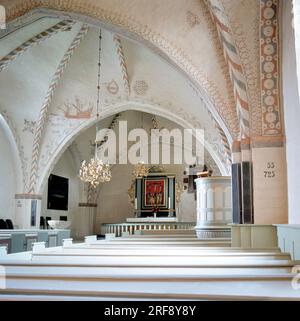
(268, 150)
(246, 182)
(171, 193)
(214, 209)
(28, 211)
(296, 24)
(237, 217)
(84, 220)
(138, 198)
(269, 180)
(242, 182)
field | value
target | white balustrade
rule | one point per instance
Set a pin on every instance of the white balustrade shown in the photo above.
(38, 246)
(3, 250)
(90, 239)
(133, 228)
(110, 236)
(67, 242)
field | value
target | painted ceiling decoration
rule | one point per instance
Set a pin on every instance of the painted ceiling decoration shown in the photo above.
(148, 67)
(269, 58)
(121, 55)
(234, 64)
(45, 107)
(63, 25)
(218, 104)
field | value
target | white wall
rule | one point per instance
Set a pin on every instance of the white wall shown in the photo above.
(291, 112)
(65, 168)
(7, 177)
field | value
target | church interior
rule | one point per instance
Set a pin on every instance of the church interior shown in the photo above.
(90, 91)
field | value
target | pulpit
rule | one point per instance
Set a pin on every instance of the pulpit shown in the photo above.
(214, 209)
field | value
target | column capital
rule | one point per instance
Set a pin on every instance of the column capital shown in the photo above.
(28, 196)
(236, 146)
(236, 152)
(267, 141)
(87, 204)
(245, 144)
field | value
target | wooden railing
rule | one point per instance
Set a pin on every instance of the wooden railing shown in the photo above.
(134, 228)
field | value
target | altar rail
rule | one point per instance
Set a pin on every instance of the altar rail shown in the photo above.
(135, 228)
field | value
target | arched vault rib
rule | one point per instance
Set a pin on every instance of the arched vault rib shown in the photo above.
(122, 61)
(128, 26)
(39, 131)
(42, 36)
(236, 71)
(112, 110)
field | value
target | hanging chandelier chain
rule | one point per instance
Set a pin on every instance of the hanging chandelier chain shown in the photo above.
(98, 87)
(96, 171)
(99, 71)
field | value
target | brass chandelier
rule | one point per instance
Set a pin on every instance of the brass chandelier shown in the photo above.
(140, 170)
(96, 171)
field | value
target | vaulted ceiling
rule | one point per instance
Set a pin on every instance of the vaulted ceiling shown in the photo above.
(193, 62)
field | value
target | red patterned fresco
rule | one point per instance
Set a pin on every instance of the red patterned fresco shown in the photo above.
(270, 68)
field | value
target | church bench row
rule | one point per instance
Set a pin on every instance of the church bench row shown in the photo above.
(144, 257)
(83, 257)
(98, 298)
(200, 289)
(212, 266)
(37, 270)
(22, 240)
(86, 251)
(135, 261)
(166, 243)
(86, 257)
(108, 247)
(145, 277)
(193, 252)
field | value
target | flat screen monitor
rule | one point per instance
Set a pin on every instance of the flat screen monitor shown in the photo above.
(58, 192)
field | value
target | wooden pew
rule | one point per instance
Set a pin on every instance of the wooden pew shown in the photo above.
(172, 269)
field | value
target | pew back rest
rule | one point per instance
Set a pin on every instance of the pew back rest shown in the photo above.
(3, 225)
(18, 241)
(9, 224)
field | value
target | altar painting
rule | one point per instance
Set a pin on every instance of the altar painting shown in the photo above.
(155, 192)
